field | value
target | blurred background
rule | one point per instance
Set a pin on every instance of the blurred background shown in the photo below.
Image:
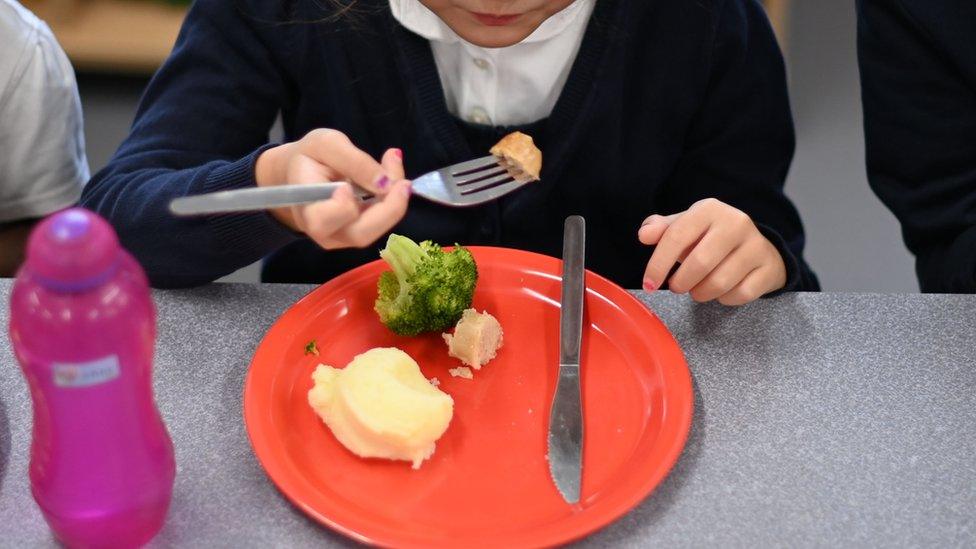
(854, 243)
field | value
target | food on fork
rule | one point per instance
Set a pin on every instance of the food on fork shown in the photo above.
(381, 406)
(427, 289)
(518, 153)
(476, 339)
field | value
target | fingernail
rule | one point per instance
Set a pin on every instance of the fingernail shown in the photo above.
(398, 153)
(649, 220)
(383, 182)
(649, 285)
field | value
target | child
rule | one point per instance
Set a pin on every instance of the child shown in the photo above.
(665, 123)
(42, 147)
(918, 69)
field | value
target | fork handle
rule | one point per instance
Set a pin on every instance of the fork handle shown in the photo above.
(256, 199)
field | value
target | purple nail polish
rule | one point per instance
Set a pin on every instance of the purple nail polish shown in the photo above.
(383, 182)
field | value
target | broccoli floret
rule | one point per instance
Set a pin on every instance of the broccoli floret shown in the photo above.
(427, 288)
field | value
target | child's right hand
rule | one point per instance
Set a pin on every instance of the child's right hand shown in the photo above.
(341, 221)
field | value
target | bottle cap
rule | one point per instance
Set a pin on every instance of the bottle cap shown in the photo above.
(72, 251)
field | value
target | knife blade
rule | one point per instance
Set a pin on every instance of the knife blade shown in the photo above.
(255, 199)
(566, 415)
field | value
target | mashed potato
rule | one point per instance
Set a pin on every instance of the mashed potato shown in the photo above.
(381, 406)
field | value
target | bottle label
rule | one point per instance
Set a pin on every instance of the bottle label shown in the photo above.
(86, 374)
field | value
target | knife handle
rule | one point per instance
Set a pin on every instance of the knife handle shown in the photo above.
(571, 310)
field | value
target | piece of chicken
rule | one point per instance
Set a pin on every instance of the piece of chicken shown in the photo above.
(476, 338)
(518, 153)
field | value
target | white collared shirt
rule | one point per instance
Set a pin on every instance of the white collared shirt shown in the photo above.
(501, 86)
(42, 147)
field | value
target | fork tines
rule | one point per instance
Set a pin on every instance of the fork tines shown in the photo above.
(483, 176)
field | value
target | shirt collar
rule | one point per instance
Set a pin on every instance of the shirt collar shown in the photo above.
(416, 18)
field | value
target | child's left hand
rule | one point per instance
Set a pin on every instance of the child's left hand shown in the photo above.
(723, 255)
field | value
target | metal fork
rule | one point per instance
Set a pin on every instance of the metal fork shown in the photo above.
(462, 185)
(468, 183)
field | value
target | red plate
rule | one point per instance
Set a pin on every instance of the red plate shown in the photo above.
(488, 483)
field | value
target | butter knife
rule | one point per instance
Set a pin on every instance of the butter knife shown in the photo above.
(566, 416)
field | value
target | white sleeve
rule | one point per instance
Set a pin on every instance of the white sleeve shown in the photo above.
(43, 164)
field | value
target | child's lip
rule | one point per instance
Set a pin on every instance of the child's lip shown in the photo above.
(495, 20)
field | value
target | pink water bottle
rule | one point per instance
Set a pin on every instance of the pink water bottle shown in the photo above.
(83, 326)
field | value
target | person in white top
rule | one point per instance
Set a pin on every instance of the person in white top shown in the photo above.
(531, 73)
(42, 147)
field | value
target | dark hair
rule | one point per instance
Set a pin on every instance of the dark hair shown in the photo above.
(338, 8)
(332, 10)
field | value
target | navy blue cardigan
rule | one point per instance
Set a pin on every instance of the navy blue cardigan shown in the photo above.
(668, 102)
(918, 76)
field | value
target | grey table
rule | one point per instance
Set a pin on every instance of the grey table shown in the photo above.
(821, 420)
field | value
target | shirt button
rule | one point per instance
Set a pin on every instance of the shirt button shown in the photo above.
(479, 116)
(481, 63)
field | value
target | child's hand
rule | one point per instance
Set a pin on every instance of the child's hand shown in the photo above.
(341, 221)
(722, 254)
